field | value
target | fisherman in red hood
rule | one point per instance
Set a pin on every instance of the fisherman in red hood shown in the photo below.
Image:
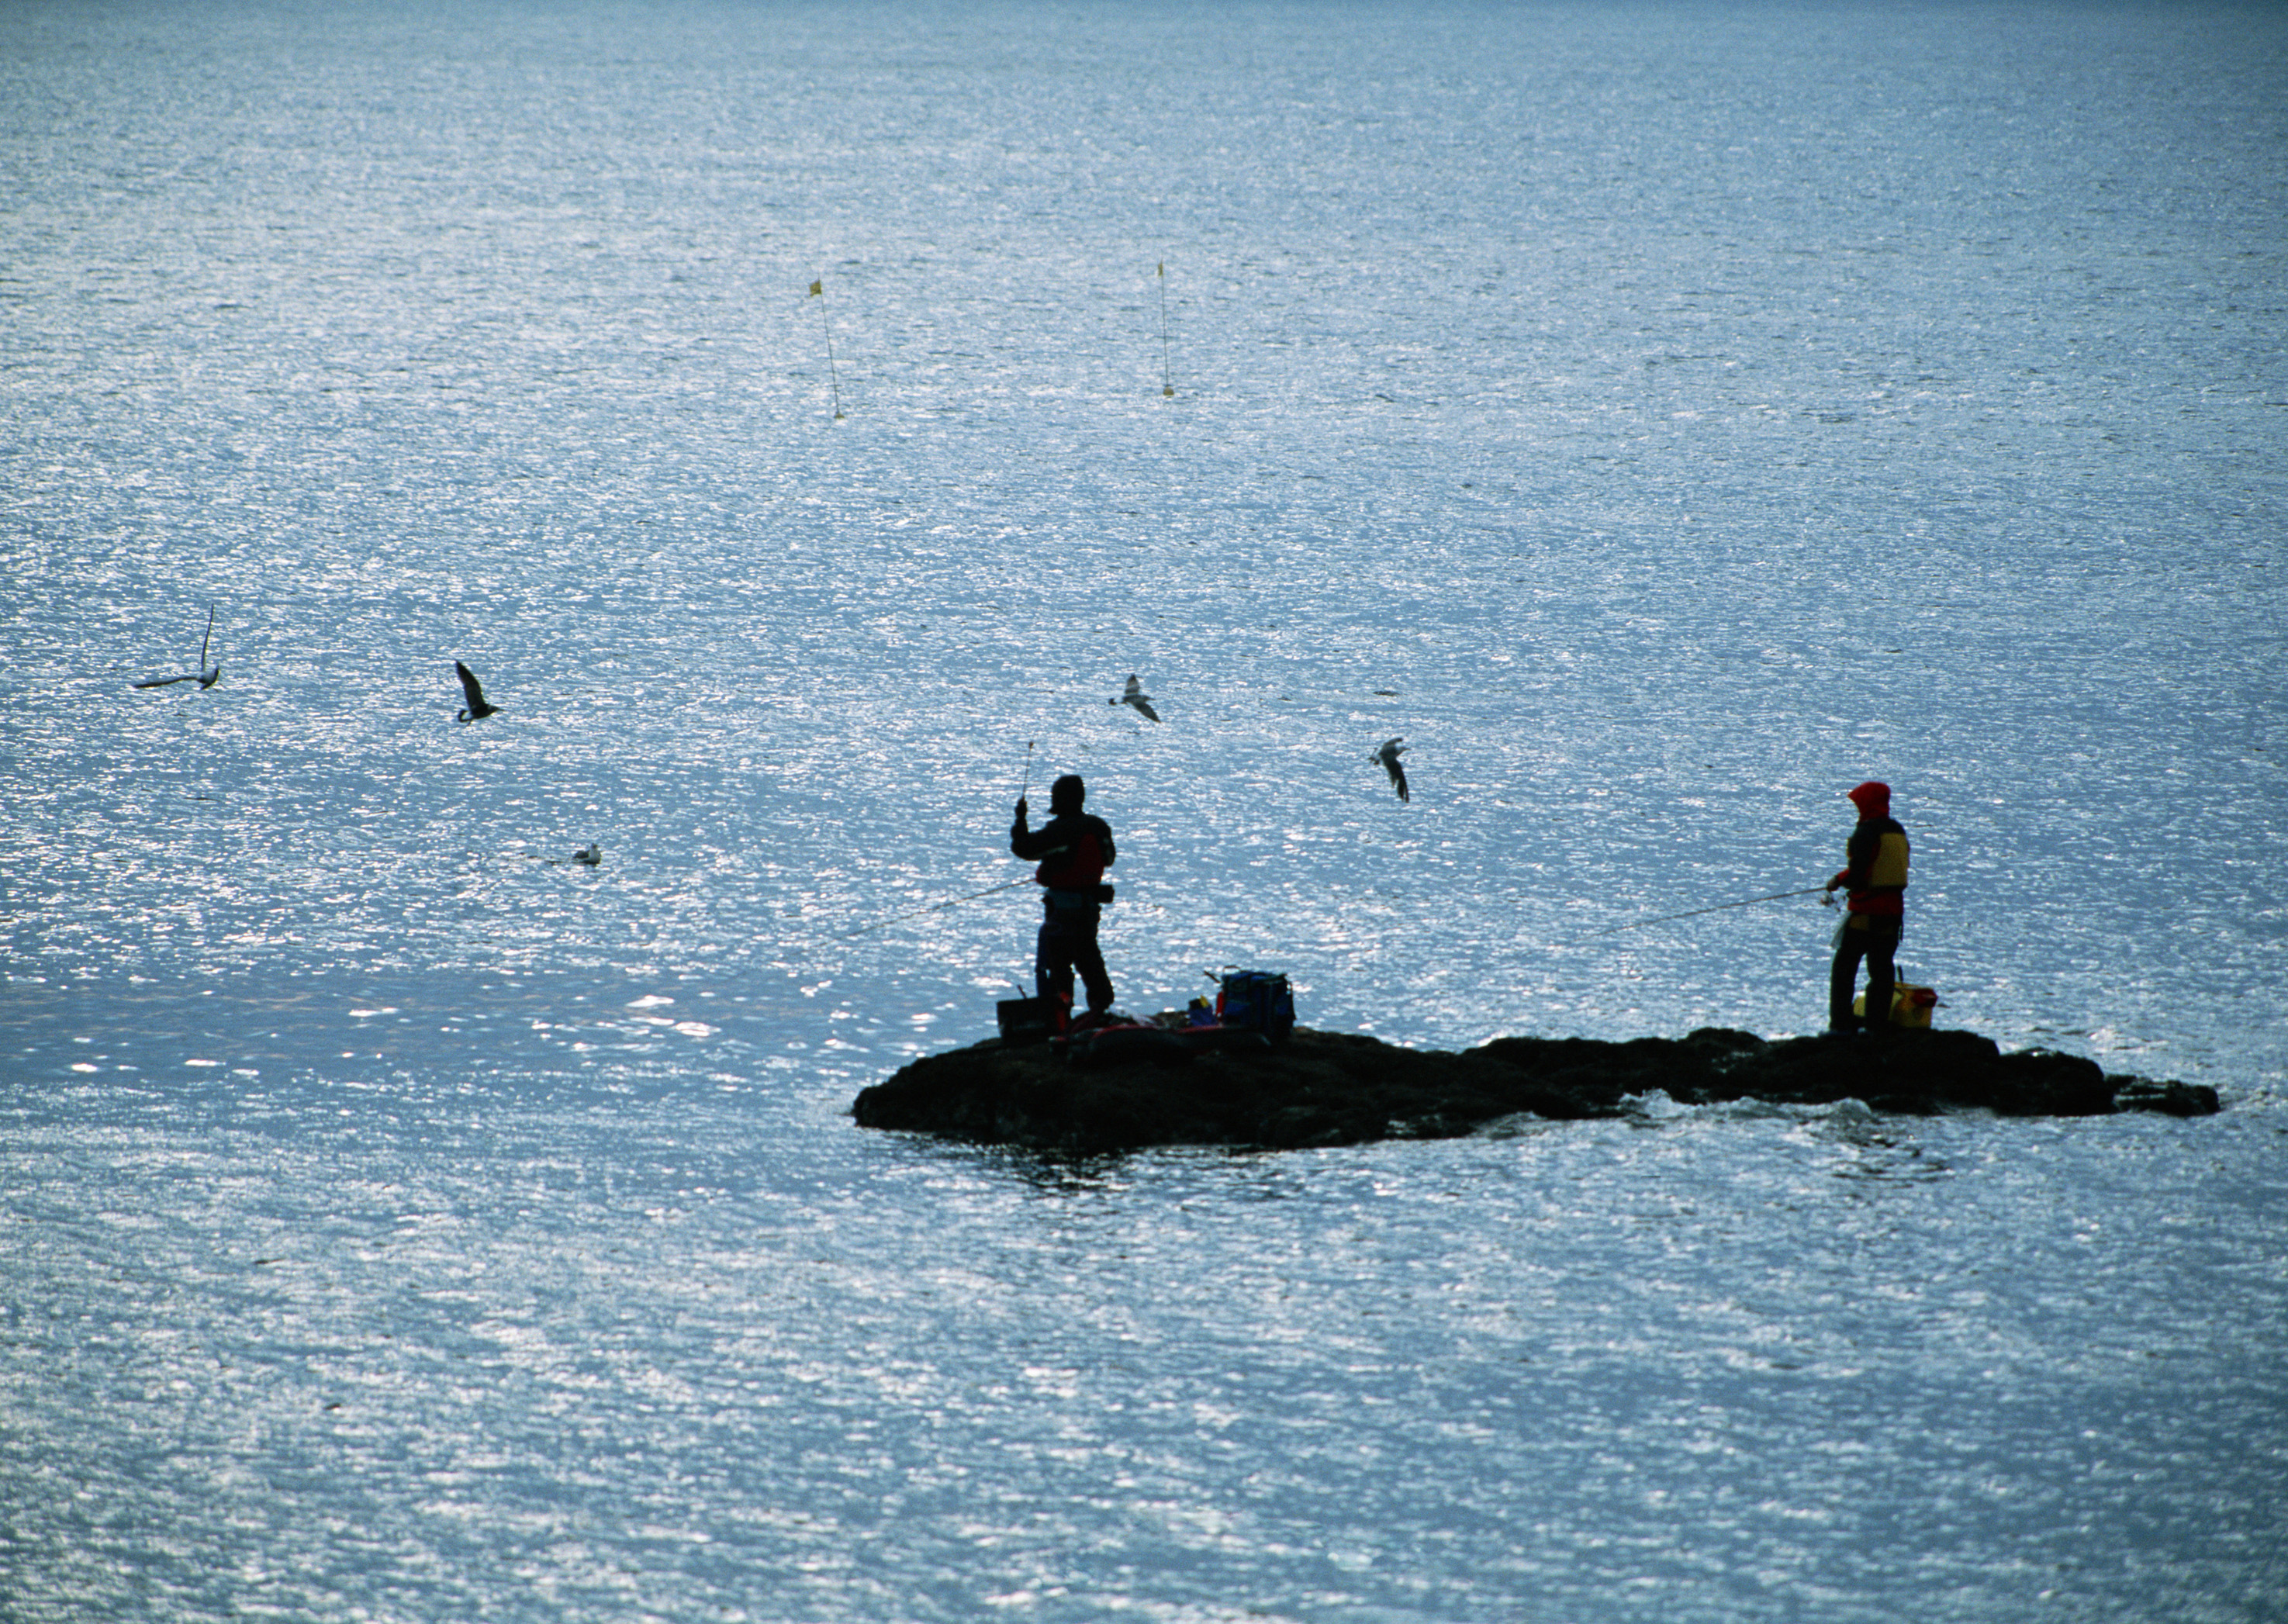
(1075, 849)
(1874, 871)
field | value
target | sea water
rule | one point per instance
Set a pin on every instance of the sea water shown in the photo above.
(1661, 418)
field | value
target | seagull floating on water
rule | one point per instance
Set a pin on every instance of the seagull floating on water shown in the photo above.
(1388, 755)
(1134, 694)
(477, 709)
(206, 676)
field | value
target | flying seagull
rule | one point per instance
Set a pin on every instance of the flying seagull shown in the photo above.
(209, 675)
(1134, 694)
(206, 676)
(477, 711)
(1388, 755)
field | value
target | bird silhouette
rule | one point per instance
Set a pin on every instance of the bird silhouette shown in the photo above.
(206, 676)
(477, 709)
(1388, 755)
(1134, 694)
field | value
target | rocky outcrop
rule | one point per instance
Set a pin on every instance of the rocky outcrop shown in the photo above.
(1326, 1088)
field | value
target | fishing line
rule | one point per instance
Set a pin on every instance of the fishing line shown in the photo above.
(937, 907)
(1695, 913)
(933, 907)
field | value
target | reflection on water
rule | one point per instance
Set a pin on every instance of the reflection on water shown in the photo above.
(431, 1351)
(1662, 428)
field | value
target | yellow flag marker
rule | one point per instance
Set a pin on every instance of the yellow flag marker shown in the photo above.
(818, 291)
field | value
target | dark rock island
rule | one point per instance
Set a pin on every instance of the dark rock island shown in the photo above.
(1325, 1088)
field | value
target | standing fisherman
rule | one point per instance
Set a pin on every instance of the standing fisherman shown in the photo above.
(1075, 850)
(1875, 869)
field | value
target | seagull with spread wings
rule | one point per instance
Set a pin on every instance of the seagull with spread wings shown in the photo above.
(1388, 755)
(477, 711)
(1134, 695)
(206, 676)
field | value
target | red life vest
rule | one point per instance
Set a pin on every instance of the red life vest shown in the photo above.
(1079, 867)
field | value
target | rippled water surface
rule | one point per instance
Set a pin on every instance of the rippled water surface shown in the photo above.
(1661, 418)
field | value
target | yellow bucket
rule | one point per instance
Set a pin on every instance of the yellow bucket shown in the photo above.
(1911, 1005)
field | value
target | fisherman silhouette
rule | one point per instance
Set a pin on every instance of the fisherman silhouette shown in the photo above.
(1073, 849)
(1875, 874)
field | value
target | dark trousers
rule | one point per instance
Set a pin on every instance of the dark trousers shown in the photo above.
(1066, 943)
(1879, 945)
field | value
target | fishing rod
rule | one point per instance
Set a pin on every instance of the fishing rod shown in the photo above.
(1694, 912)
(1022, 793)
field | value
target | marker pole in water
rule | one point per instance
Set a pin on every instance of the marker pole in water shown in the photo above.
(818, 292)
(1167, 376)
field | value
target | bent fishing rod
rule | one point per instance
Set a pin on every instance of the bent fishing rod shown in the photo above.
(1694, 912)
